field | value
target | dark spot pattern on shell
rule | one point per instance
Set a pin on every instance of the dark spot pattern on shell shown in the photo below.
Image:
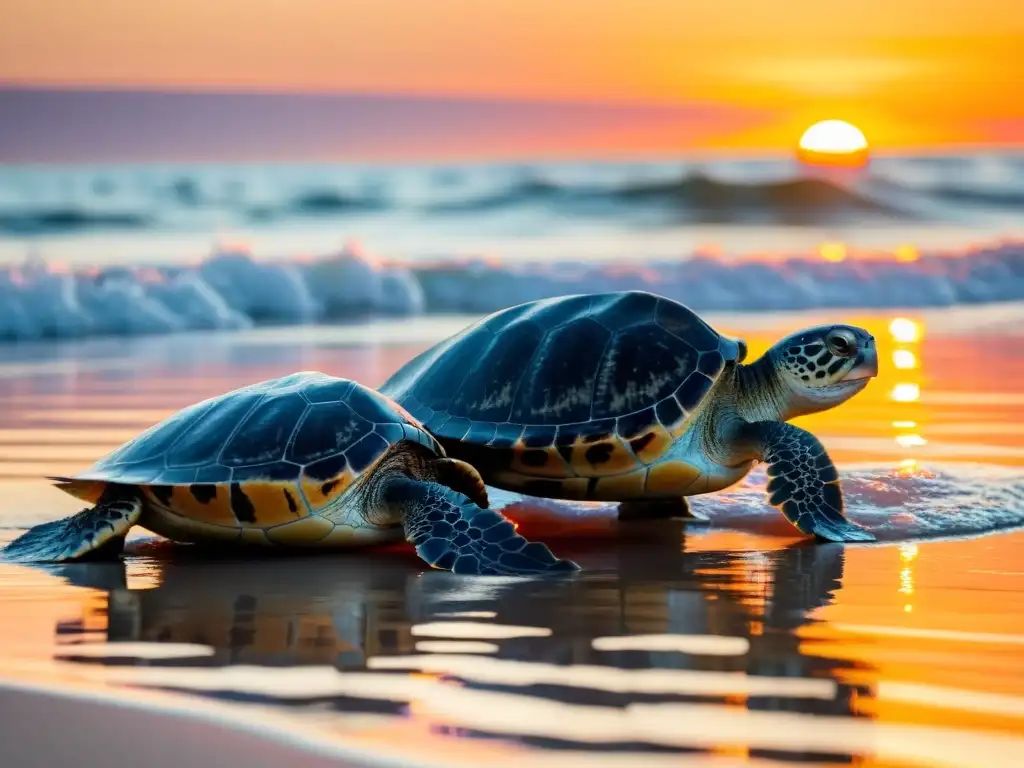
(639, 443)
(578, 363)
(599, 453)
(163, 493)
(290, 500)
(202, 493)
(241, 505)
(534, 458)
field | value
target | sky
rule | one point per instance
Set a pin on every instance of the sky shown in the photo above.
(909, 73)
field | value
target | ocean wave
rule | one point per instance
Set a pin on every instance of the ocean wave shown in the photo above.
(38, 201)
(233, 290)
(62, 219)
(691, 196)
(184, 203)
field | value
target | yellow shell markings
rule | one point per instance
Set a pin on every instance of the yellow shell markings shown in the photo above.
(650, 445)
(538, 462)
(320, 494)
(671, 478)
(187, 518)
(624, 467)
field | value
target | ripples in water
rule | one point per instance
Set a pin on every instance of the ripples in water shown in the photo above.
(665, 644)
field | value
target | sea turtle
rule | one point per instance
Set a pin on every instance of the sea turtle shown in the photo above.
(631, 397)
(307, 460)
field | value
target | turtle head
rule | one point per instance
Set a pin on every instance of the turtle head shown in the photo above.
(821, 367)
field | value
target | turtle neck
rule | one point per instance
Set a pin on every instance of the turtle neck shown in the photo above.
(758, 390)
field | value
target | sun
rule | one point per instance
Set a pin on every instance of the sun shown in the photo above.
(833, 142)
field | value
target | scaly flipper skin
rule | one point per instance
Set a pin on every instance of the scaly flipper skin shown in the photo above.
(804, 483)
(452, 533)
(96, 533)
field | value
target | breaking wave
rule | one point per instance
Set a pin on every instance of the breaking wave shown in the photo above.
(232, 290)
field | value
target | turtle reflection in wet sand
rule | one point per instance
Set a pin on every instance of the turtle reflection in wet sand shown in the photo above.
(631, 397)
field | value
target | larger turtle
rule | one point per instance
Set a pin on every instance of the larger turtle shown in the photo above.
(631, 397)
(307, 460)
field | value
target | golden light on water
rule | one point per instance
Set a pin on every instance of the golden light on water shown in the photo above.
(910, 441)
(904, 359)
(908, 554)
(905, 393)
(905, 330)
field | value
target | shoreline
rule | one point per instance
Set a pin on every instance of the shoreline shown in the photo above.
(975, 318)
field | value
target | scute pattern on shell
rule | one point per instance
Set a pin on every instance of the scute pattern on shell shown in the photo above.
(306, 425)
(563, 363)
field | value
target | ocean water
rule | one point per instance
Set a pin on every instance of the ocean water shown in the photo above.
(724, 642)
(132, 250)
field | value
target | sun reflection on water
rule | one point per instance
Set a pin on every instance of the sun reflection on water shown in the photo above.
(907, 333)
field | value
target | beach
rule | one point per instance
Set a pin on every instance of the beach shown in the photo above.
(727, 641)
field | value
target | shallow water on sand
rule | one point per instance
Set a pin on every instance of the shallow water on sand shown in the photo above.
(728, 642)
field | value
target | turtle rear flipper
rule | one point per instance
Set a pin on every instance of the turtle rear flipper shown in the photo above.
(804, 483)
(452, 533)
(96, 533)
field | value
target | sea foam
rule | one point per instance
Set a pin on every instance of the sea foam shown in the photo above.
(232, 289)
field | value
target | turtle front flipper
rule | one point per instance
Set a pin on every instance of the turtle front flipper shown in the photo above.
(96, 533)
(452, 533)
(803, 482)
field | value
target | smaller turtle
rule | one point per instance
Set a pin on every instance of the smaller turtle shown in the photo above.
(631, 397)
(304, 461)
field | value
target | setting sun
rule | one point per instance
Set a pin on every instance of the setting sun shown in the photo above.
(833, 142)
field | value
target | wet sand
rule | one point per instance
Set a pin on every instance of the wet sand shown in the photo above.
(726, 642)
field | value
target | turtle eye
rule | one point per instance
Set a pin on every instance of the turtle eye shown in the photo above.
(841, 343)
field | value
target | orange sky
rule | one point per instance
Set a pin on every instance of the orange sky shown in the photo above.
(908, 72)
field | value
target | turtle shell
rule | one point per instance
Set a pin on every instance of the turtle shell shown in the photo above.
(261, 456)
(579, 386)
